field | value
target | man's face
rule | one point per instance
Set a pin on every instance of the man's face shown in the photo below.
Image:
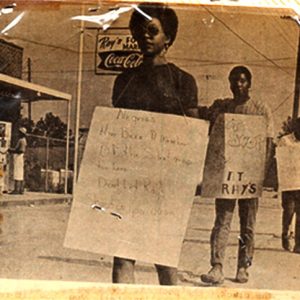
(151, 37)
(240, 85)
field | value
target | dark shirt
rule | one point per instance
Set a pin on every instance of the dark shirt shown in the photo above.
(20, 147)
(164, 88)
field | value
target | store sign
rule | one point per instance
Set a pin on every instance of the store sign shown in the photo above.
(116, 52)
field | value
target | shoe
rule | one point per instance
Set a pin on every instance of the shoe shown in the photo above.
(242, 275)
(14, 193)
(214, 276)
(21, 187)
(285, 242)
(296, 249)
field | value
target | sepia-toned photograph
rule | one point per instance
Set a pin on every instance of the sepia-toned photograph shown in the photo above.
(150, 146)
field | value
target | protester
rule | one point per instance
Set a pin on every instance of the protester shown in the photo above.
(156, 86)
(2, 166)
(18, 160)
(240, 80)
(290, 200)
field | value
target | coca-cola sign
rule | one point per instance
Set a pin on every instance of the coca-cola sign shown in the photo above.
(116, 52)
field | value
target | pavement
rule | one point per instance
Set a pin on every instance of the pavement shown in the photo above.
(269, 280)
(39, 198)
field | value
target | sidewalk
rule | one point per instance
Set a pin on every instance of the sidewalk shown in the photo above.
(32, 248)
(34, 198)
(40, 198)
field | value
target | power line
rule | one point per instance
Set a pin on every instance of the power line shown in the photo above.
(284, 34)
(54, 47)
(186, 62)
(247, 43)
(203, 63)
(215, 61)
(280, 104)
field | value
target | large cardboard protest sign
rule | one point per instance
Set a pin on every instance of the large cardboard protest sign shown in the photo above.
(136, 184)
(288, 167)
(235, 161)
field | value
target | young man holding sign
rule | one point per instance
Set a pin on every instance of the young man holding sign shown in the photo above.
(241, 103)
(155, 86)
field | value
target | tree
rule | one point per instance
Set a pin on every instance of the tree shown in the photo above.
(50, 126)
(27, 123)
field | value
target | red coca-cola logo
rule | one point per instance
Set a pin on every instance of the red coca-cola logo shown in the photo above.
(119, 60)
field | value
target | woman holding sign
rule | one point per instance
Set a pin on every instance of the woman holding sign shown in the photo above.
(156, 86)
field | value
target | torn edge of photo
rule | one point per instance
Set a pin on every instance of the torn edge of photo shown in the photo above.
(149, 150)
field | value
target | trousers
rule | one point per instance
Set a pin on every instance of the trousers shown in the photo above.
(291, 205)
(123, 272)
(220, 232)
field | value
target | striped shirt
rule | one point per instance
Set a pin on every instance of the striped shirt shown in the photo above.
(250, 107)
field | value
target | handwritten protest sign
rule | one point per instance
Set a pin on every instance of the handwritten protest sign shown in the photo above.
(136, 184)
(288, 167)
(235, 161)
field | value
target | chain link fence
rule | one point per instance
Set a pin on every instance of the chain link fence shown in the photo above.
(45, 164)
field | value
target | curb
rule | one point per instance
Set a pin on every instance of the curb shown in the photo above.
(33, 202)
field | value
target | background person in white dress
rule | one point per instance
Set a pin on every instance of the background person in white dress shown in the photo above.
(18, 160)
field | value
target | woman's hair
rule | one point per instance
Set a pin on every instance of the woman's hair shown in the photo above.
(240, 70)
(163, 13)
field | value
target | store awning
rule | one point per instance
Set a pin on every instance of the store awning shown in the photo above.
(28, 91)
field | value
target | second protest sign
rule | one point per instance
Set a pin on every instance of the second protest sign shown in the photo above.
(235, 162)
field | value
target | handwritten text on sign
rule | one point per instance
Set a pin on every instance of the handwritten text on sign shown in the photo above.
(288, 165)
(235, 161)
(139, 171)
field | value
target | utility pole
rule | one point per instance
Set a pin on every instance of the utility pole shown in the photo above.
(297, 83)
(78, 98)
(296, 19)
(29, 80)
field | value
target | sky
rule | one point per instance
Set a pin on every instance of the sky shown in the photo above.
(210, 41)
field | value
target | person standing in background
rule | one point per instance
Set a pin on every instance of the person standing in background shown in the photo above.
(240, 79)
(290, 200)
(1, 176)
(18, 161)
